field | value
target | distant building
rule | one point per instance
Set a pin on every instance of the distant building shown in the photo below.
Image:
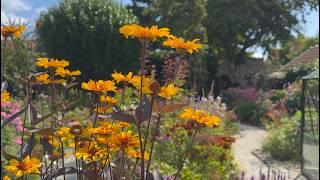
(308, 56)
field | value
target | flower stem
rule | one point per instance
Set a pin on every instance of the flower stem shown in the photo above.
(187, 152)
(152, 143)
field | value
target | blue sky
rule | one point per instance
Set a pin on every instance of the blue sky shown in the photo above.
(29, 10)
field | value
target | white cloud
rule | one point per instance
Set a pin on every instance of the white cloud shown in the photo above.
(9, 17)
(10, 10)
(15, 5)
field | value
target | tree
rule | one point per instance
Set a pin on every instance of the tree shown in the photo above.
(235, 26)
(86, 32)
(185, 19)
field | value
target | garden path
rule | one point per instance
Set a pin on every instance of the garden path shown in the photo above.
(249, 139)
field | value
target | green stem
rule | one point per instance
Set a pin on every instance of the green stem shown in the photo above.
(187, 152)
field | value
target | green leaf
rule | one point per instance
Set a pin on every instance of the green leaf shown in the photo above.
(7, 156)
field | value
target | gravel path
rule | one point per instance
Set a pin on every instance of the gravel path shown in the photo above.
(249, 139)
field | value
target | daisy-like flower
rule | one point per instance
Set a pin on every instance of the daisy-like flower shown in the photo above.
(104, 129)
(13, 31)
(181, 45)
(168, 91)
(138, 154)
(65, 72)
(103, 109)
(136, 82)
(119, 77)
(108, 99)
(64, 134)
(44, 79)
(99, 86)
(26, 166)
(200, 116)
(6, 178)
(125, 141)
(148, 33)
(55, 63)
(5, 96)
(93, 153)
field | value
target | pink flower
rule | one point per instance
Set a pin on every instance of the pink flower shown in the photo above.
(18, 140)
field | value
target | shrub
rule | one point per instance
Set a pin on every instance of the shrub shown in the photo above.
(86, 32)
(250, 112)
(282, 142)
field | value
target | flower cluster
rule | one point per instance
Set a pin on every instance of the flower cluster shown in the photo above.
(152, 33)
(59, 70)
(200, 117)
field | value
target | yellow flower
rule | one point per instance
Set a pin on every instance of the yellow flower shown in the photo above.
(99, 86)
(103, 109)
(26, 166)
(125, 141)
(119, 77)
(92, 154)
(200, 116)
(64, 134)
(149, 33)
(104, 128)
(44, 79)
(136, 82)
(5, 96)
(138, 154)
(55, 63)
(168, 91)
(181, 44)
(6, 178)
(65, 72)
(108, 99)
(14, 31)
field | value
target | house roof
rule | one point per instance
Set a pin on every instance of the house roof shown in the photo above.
(307, 56)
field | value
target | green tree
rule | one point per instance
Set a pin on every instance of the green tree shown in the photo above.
(235, 26)
(185, 19)
(86, 32)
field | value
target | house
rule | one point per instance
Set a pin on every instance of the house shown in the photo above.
(308, 56)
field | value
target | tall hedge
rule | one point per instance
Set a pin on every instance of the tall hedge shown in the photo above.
(86, 32)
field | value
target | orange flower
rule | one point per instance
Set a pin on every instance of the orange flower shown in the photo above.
(44, 79)
(125, 141)
(168, 91)
(140, 32)
(55, 63)
(65, 72)
(99, 86)
(14, 31)
(182, 45)
(119, 77)
(108, 99)
(200, 116)
(26, 166)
